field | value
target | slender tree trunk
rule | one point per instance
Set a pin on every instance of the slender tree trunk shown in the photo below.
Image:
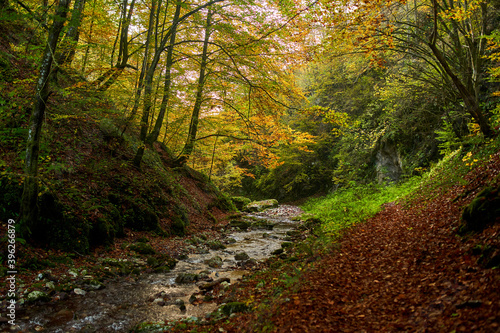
(91, 28)
(168, 80)
(195, 117)
(68, 49)
(29, 209)
(145, 66)
(114, 73)
(148, 81)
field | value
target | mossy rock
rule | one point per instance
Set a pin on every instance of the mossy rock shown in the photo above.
(240, 224)
(186, 278)
(161, 263)
(37, 296)
(263, 224)
(482, 211)
(215, 262)
(224, 203)
(310, 223)
(259, 206)
(241, 256)
(180, 220)
(234, 307)
(240, 202)
(142, 248)
(215, 245)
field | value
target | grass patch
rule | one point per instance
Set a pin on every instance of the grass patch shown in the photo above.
(349, 206)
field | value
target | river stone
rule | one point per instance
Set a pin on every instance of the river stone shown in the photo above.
(241, 256)
(159, 301)
(50, 285)
(185, 278)
(263, 225)
(240, 224)
(258, 206)
(79, 291)
(215, 245)
(215, 262)
(38, 296)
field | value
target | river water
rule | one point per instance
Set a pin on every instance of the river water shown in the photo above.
(157, 297)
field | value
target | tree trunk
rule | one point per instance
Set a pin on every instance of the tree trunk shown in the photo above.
(29, 209)
(68, 49)
(195, 117)
(153, 136)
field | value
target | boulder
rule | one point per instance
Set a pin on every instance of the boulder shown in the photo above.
(259, 206)
(241, 256)
(36, 295)
(215, 262)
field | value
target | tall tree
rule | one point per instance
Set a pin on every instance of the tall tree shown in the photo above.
(29, 209)
(150, 74)
(195, 117)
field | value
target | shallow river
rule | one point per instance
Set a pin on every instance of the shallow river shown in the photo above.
(125, 302)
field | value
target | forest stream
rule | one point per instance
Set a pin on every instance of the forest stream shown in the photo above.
(158, 297)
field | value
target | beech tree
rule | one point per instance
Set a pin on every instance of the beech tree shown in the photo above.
(29, 209)
(447, 35)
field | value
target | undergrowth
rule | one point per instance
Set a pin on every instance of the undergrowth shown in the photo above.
(354, 204)
(349, 206)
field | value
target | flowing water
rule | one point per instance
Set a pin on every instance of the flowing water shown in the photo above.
(128, 301)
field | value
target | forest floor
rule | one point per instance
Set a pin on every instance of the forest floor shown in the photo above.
(405, 269)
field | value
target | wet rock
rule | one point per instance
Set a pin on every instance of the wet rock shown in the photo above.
(79, 291)
(247, 264)
(61, 296)
(241, 256)
(192, 299)
(50, 285)
(263, 224)
(201, 250)
(185, 278)
(215, 245)
(210, 285)
(159, 301)
(286, 245)
(240, 224)
(73, 272)
(294, 233)
(230, 241)
(36, 295)
(277, 252)
(203, 275)
(62, 316)
(215, 262)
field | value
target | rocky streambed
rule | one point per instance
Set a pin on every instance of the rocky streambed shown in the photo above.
(183, 292)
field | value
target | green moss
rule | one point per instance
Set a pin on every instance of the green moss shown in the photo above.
(482, 211)
(142, 248)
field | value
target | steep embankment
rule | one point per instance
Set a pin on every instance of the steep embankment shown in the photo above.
(94, 204)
